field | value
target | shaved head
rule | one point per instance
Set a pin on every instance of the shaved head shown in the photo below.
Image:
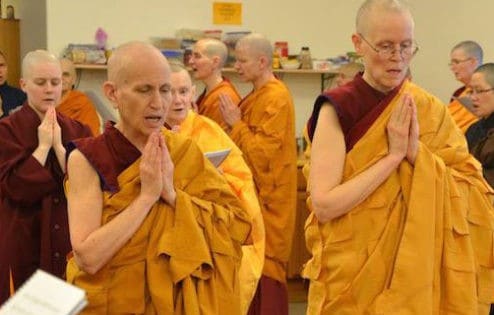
(471, 49)
(177, 67)
(68, 65)
(36, 57)
(212, 47)
(128, 59)
(371, 8)
(258, 44)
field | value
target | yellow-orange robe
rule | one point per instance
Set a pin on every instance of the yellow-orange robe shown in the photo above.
(266, 137)
(210, 137)
(208, 103)
(180, 261)
(78, 106)
(461, 115)
(422, 243)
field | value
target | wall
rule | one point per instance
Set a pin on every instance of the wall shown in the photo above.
(324, 25)
(33, 25)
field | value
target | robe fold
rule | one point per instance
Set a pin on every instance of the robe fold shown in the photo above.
(462, 116)
(78, 106)
(208, 102)
(422, 242)
(180, 261)
(33, 210)
(210, 137)
(266, 137)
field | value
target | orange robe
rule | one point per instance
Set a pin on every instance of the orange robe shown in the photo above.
(422, 243)
(78, 106)
(266, 136)
(462, 116)
(210, 137)
(180, 261)
(208, 103)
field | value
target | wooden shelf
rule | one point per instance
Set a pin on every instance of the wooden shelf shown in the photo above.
(325, 74)
(301, 71)
(89, 66)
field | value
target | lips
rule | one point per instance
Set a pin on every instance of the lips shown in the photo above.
(154, 117)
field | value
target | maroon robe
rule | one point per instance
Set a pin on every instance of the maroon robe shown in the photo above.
(357, 105)
(34, 229)
(109, 154)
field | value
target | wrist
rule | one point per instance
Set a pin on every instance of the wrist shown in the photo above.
(395, 159)
(171, 198)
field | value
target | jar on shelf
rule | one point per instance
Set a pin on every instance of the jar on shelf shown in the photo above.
(276, 60)
(305, 58)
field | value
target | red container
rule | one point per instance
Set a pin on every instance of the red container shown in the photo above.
(281, 48)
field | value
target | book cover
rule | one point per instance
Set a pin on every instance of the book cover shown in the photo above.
(43, 293)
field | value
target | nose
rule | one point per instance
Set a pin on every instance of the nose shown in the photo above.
(157, 100)
(397, 53)
(49, 87)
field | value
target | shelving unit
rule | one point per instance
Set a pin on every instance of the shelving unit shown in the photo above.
(326, 75)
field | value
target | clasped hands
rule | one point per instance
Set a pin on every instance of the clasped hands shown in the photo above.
(403, 130)
(49, 131)
(229, 110)
(156, 170)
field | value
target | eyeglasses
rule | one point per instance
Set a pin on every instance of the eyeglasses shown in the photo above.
(456, 62)
(479, 91)
(385, 51)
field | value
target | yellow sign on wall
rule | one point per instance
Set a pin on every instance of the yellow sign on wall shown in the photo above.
(227, 13)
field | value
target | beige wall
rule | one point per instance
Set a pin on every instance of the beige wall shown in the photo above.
(33, 25)
(324, 25)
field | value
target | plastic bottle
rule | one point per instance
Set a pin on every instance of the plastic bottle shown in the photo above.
(305, 58)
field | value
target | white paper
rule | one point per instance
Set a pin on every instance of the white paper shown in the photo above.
(45, 294)
(217, 157)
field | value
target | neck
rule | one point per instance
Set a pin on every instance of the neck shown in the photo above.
(40, 114)
(139, 140)
(373, 84)
(213, 81)
(264, 78)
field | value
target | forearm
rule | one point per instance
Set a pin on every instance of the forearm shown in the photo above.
(257, 148)
(60, 153)
(333, 203)
(103, 243)
(41, 154)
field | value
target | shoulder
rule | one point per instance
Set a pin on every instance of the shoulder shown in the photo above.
(73, 126)
(425, 99)
(79, 97)
(275, 96)
(228, 87)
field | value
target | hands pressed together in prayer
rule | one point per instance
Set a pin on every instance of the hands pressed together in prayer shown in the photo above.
(156, 170)
(403, 130)
(1, 107)
(230, 111)
(50, 136)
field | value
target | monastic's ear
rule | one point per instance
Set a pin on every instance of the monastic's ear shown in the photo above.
(357, 43)
(263, 61)
(216, 61)
(110, 91)
(22, 84)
